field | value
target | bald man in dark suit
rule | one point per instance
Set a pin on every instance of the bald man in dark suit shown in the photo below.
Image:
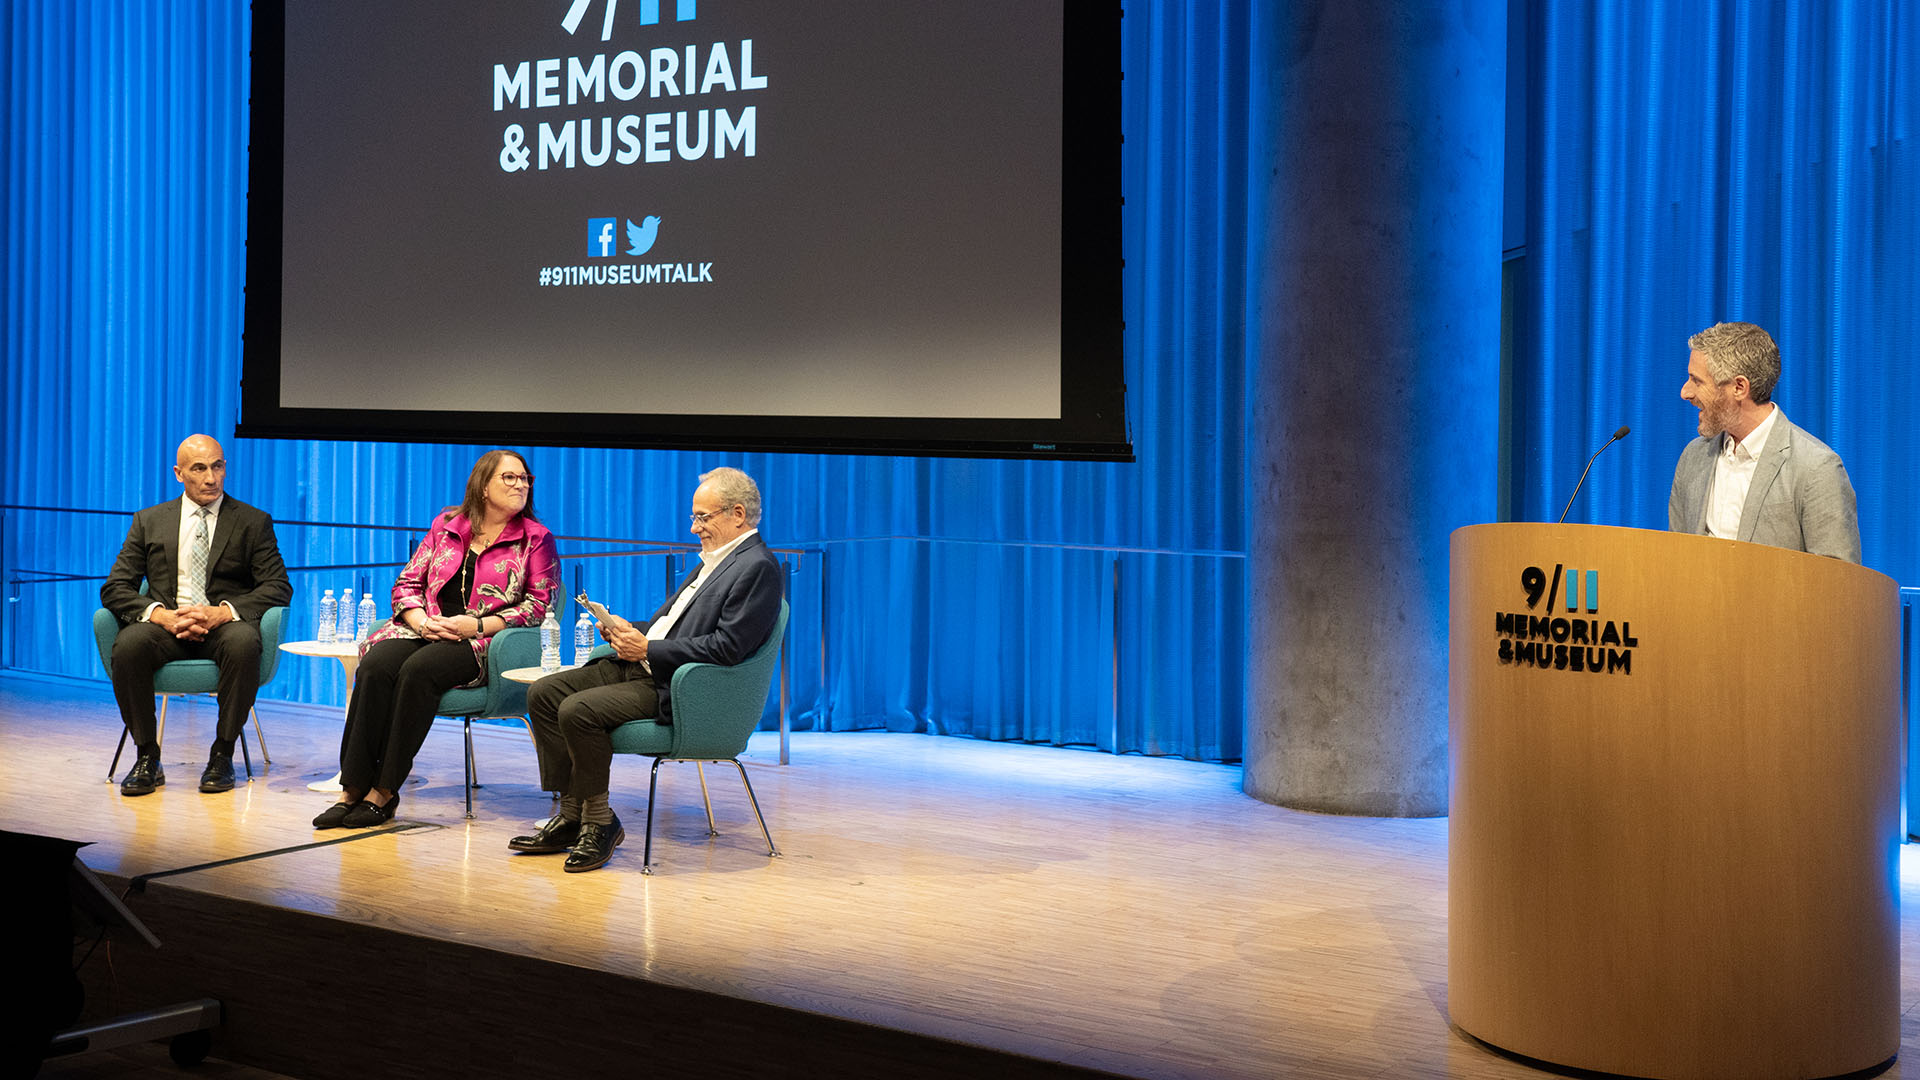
(212, 568)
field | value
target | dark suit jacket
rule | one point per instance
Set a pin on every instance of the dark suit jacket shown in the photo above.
(245, 570)
(729, 618)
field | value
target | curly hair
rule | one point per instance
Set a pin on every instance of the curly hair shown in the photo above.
(1733, 349)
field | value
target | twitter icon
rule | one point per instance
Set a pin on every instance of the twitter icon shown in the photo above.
(640, 237)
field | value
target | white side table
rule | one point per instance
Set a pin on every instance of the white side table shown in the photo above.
(348, 653)
(531, 675)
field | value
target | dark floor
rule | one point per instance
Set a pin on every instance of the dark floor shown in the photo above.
(146, 1061)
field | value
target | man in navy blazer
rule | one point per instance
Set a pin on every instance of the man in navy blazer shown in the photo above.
(722, 613)
(1752, 474)
(212, 568)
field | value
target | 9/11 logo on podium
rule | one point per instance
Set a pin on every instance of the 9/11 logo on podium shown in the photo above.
(1558, 642)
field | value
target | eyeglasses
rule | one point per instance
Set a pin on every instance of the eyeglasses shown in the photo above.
(514, 479)
(702, 519)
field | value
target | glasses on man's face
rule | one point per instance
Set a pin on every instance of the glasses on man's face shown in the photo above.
(515, 479)
(702, 519)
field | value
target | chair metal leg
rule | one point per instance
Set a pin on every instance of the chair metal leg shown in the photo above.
(700, 770)
(772, 852)
(653, 789)
(117, 751)
(473, 779)
(261, 737)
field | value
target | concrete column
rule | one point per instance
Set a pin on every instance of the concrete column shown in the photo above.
(1376, 173)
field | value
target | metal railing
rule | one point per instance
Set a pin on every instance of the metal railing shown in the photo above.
(674, 552)
(817, 554)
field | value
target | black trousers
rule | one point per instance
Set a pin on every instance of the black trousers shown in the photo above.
(571, 714)
(394, 697)
(140, 649)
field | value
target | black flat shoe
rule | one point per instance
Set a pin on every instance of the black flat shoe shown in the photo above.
(595, 846)
(145, 775)
(556, 836)
(365, 815)
(335, 816)
(218, 776)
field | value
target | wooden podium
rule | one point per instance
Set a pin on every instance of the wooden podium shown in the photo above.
(1681, 864)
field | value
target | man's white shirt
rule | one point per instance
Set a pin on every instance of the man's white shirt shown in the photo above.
(1733, 475)
(709, 562)
(189, 523)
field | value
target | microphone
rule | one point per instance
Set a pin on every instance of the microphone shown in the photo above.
(1617, 436)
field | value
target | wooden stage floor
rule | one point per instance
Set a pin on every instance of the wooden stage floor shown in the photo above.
(942, 907)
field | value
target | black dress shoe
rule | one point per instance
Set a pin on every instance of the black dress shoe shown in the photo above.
(595, 846)
(365, 815)
(145, 775)
(218, 775)
(556, 836)
(335, 816)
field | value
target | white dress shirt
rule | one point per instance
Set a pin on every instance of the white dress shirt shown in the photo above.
(709, 562)
(188, 524)
(1733, 475)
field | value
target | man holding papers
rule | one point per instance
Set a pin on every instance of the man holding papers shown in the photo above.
(719, 615)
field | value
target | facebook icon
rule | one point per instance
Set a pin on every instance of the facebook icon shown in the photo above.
(600, 236)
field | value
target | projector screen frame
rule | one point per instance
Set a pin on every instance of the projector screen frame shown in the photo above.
(1093, 424)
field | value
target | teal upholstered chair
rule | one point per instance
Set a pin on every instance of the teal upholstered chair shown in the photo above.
(194, 677)
(498, 698)
(715, 709)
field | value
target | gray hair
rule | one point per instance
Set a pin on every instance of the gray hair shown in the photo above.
(1733, 349)
(734, 486)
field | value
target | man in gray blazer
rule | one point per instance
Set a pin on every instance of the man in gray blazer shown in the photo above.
(212, 568)
(1752, 475)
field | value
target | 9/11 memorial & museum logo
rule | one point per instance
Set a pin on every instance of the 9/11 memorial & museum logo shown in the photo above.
(1573, 641)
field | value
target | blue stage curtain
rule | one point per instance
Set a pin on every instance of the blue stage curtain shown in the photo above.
(125, 144)
(1691, 163)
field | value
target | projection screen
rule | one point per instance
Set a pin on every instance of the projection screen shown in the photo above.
(847, 226)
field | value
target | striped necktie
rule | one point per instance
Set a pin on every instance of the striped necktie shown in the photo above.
(193, 585)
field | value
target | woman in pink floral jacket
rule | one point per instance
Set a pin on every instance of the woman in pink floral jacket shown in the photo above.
(485, 565)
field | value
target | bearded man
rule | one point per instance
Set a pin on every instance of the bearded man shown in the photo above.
(1752, 474)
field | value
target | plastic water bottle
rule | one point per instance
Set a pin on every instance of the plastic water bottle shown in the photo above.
(343, 615)
(366, 615)
(549, 643)
(582, 638)
(329, 614)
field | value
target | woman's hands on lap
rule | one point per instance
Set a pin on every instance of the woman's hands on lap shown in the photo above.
(438, 628)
